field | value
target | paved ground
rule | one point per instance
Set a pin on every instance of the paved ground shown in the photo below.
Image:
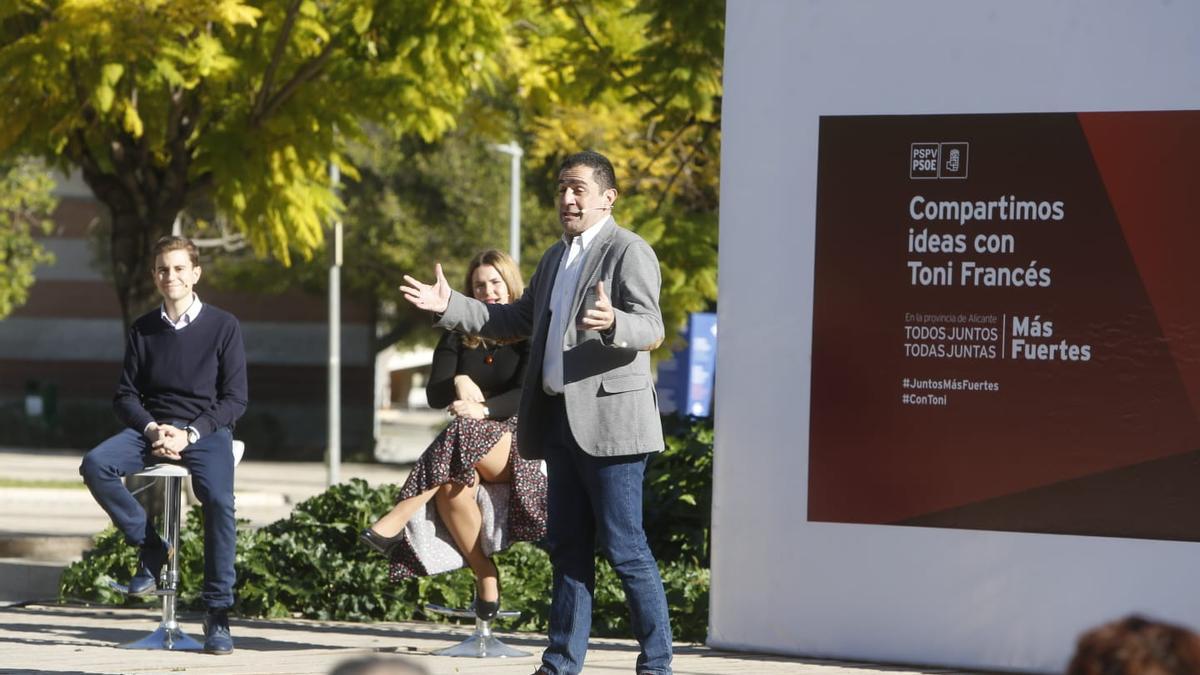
(78, 640)
(71, 640)
(266, 491)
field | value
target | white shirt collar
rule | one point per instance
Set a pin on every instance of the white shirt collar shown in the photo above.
(188, 316)
(588, 234)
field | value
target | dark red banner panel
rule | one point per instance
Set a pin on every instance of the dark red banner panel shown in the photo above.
(1005, 335)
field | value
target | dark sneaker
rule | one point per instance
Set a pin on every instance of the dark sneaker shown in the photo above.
(217, 639)
(151, 559)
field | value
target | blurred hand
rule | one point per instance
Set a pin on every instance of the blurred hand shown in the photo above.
(466, 409)
(433, 298)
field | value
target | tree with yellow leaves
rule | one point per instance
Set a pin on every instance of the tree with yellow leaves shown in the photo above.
(234, 107)
(639, 80)
(25, 205)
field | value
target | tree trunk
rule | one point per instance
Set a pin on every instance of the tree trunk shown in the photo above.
(131, 239)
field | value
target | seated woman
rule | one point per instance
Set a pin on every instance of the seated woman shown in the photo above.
(478, 381)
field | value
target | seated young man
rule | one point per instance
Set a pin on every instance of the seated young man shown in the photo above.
(182, 388)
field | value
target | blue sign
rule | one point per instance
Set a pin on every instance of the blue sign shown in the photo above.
(685, 382)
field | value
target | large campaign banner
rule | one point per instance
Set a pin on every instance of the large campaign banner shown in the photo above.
(1007, 323)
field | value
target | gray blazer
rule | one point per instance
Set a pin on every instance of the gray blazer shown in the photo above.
(609, 394)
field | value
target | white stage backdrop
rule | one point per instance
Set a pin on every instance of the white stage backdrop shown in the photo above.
(958, 379)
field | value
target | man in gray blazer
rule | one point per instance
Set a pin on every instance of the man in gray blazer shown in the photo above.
(588, 405)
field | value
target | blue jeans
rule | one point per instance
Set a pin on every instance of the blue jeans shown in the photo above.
(590, 500)
(210, 460)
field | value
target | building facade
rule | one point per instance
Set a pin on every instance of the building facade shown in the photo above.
(61, 352)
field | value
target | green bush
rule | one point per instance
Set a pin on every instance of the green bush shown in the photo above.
(678, 499)
(311, 564)
(111, 559)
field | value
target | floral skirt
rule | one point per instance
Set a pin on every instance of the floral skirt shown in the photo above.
(512, 511)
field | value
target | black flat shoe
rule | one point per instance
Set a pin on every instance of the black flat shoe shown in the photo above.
(378, 542)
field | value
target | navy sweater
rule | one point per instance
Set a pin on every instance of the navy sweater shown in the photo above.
(195, 376)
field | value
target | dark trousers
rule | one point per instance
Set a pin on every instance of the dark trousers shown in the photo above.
(210, 461)
(598, 500)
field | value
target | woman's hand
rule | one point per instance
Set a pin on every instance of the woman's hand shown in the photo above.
(472, 409)
(466, 389)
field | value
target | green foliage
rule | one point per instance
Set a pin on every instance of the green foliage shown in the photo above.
(639, 81)
(233, 109)
(237, 107)
(25, 206)
(642, 84)
(107, 560)
(414, 203)
(678, 508)
(311, 564)
(111, 559)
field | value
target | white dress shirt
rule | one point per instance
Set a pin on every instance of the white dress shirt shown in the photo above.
(189, 315)
(561, 297)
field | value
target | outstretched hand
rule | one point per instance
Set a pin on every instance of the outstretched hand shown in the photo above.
(599, 317)
(431, 298)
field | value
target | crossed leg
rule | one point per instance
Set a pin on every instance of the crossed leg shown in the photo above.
(458, 510)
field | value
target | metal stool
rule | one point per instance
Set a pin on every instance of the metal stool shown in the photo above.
(482, 644)
(169, 635)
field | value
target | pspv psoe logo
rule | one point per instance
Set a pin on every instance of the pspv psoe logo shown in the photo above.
(939, 160)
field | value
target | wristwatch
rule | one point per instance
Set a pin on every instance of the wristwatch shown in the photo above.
(192, 434)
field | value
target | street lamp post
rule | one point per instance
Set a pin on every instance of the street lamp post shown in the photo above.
(514, 205)
(333, 456)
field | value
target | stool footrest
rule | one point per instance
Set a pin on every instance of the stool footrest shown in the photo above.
(469, 613)
(124, 590)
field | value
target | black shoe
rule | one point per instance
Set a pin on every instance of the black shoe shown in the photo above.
(380, 543)
(487, 610)
(217, 639)
(151, 559)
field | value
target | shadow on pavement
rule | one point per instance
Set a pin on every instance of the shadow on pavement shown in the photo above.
(33, 671)
(130, 624)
